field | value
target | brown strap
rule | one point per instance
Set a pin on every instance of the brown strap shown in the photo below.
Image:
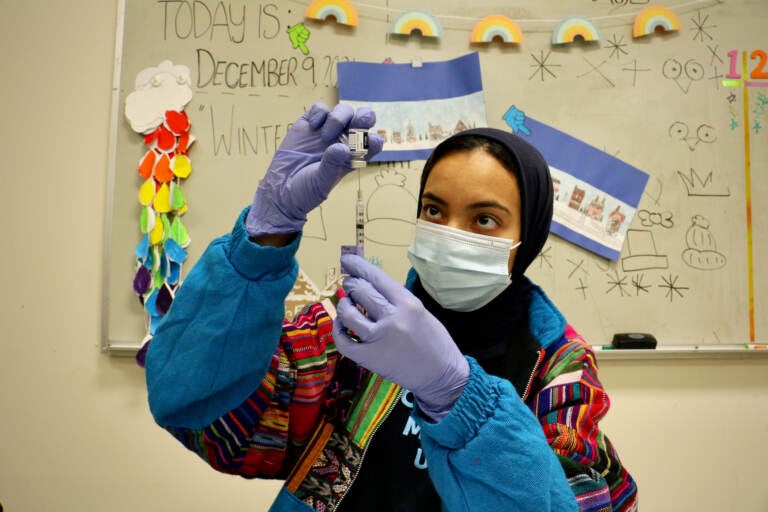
(310, 455)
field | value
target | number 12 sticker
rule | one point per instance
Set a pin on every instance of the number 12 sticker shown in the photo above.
(759, 72)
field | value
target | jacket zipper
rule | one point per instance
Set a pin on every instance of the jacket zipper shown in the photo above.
(533, 374)
(539, 359)
(365, 451)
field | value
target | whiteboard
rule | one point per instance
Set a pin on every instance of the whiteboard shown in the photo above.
(657, 102)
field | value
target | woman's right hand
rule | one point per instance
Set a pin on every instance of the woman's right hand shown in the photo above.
(398, 338)
(310, 161)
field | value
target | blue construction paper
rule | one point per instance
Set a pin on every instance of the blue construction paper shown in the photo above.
(416, 106)
(596, 193)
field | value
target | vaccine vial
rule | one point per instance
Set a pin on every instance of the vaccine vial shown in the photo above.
(358, 145)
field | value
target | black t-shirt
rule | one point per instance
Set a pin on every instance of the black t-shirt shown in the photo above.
(394, 475)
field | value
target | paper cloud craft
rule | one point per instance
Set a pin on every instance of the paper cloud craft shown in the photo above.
(156, 91)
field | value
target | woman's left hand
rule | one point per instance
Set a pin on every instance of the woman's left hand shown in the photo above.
(400, 339)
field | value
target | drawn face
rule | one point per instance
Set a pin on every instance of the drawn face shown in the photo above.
(704, 133)
(683, 74)
(472, 191)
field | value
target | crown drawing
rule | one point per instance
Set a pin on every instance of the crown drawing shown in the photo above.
(695, 185)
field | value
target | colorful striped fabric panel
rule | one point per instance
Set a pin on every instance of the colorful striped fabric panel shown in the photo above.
(373, 405)
(570, 401)
(265, 435)
(308, 341)
(589, 487)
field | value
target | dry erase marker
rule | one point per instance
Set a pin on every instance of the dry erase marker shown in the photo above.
(752, 346)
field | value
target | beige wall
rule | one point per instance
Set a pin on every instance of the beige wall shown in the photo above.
(75, 434)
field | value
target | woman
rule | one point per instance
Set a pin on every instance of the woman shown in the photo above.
(463, 390)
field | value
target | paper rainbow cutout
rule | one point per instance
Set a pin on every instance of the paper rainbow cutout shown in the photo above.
(416, 19)
(652, 17)
(496, 25)
(572, 26)
(343, 10)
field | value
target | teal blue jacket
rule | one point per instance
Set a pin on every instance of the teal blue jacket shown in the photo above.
(220, 360)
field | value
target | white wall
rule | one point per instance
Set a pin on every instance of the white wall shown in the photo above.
(75, 434)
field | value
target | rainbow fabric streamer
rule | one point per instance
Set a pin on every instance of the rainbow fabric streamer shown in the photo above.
(575, 26)
(342, 10)
(155, 109)
(653, 17)
(416, 20)
(161, 251)
(496, 26)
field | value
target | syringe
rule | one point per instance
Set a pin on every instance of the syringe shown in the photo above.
(359, 220)
(358, 146)
(359, 247)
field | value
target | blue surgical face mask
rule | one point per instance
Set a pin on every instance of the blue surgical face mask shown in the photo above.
(462, 271)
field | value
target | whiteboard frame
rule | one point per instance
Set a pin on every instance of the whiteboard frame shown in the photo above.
(666, 353)
(680, 352)
(129, 348)
(109, 346)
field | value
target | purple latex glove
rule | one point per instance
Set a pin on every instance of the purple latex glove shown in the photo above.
(400, 339)
(308, 164)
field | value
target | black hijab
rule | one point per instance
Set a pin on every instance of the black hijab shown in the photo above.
(497, 334)
(533, 177)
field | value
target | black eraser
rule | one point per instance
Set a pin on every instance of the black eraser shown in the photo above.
(634, 340)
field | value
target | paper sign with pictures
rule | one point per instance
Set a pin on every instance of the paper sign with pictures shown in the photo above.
(417, 105)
